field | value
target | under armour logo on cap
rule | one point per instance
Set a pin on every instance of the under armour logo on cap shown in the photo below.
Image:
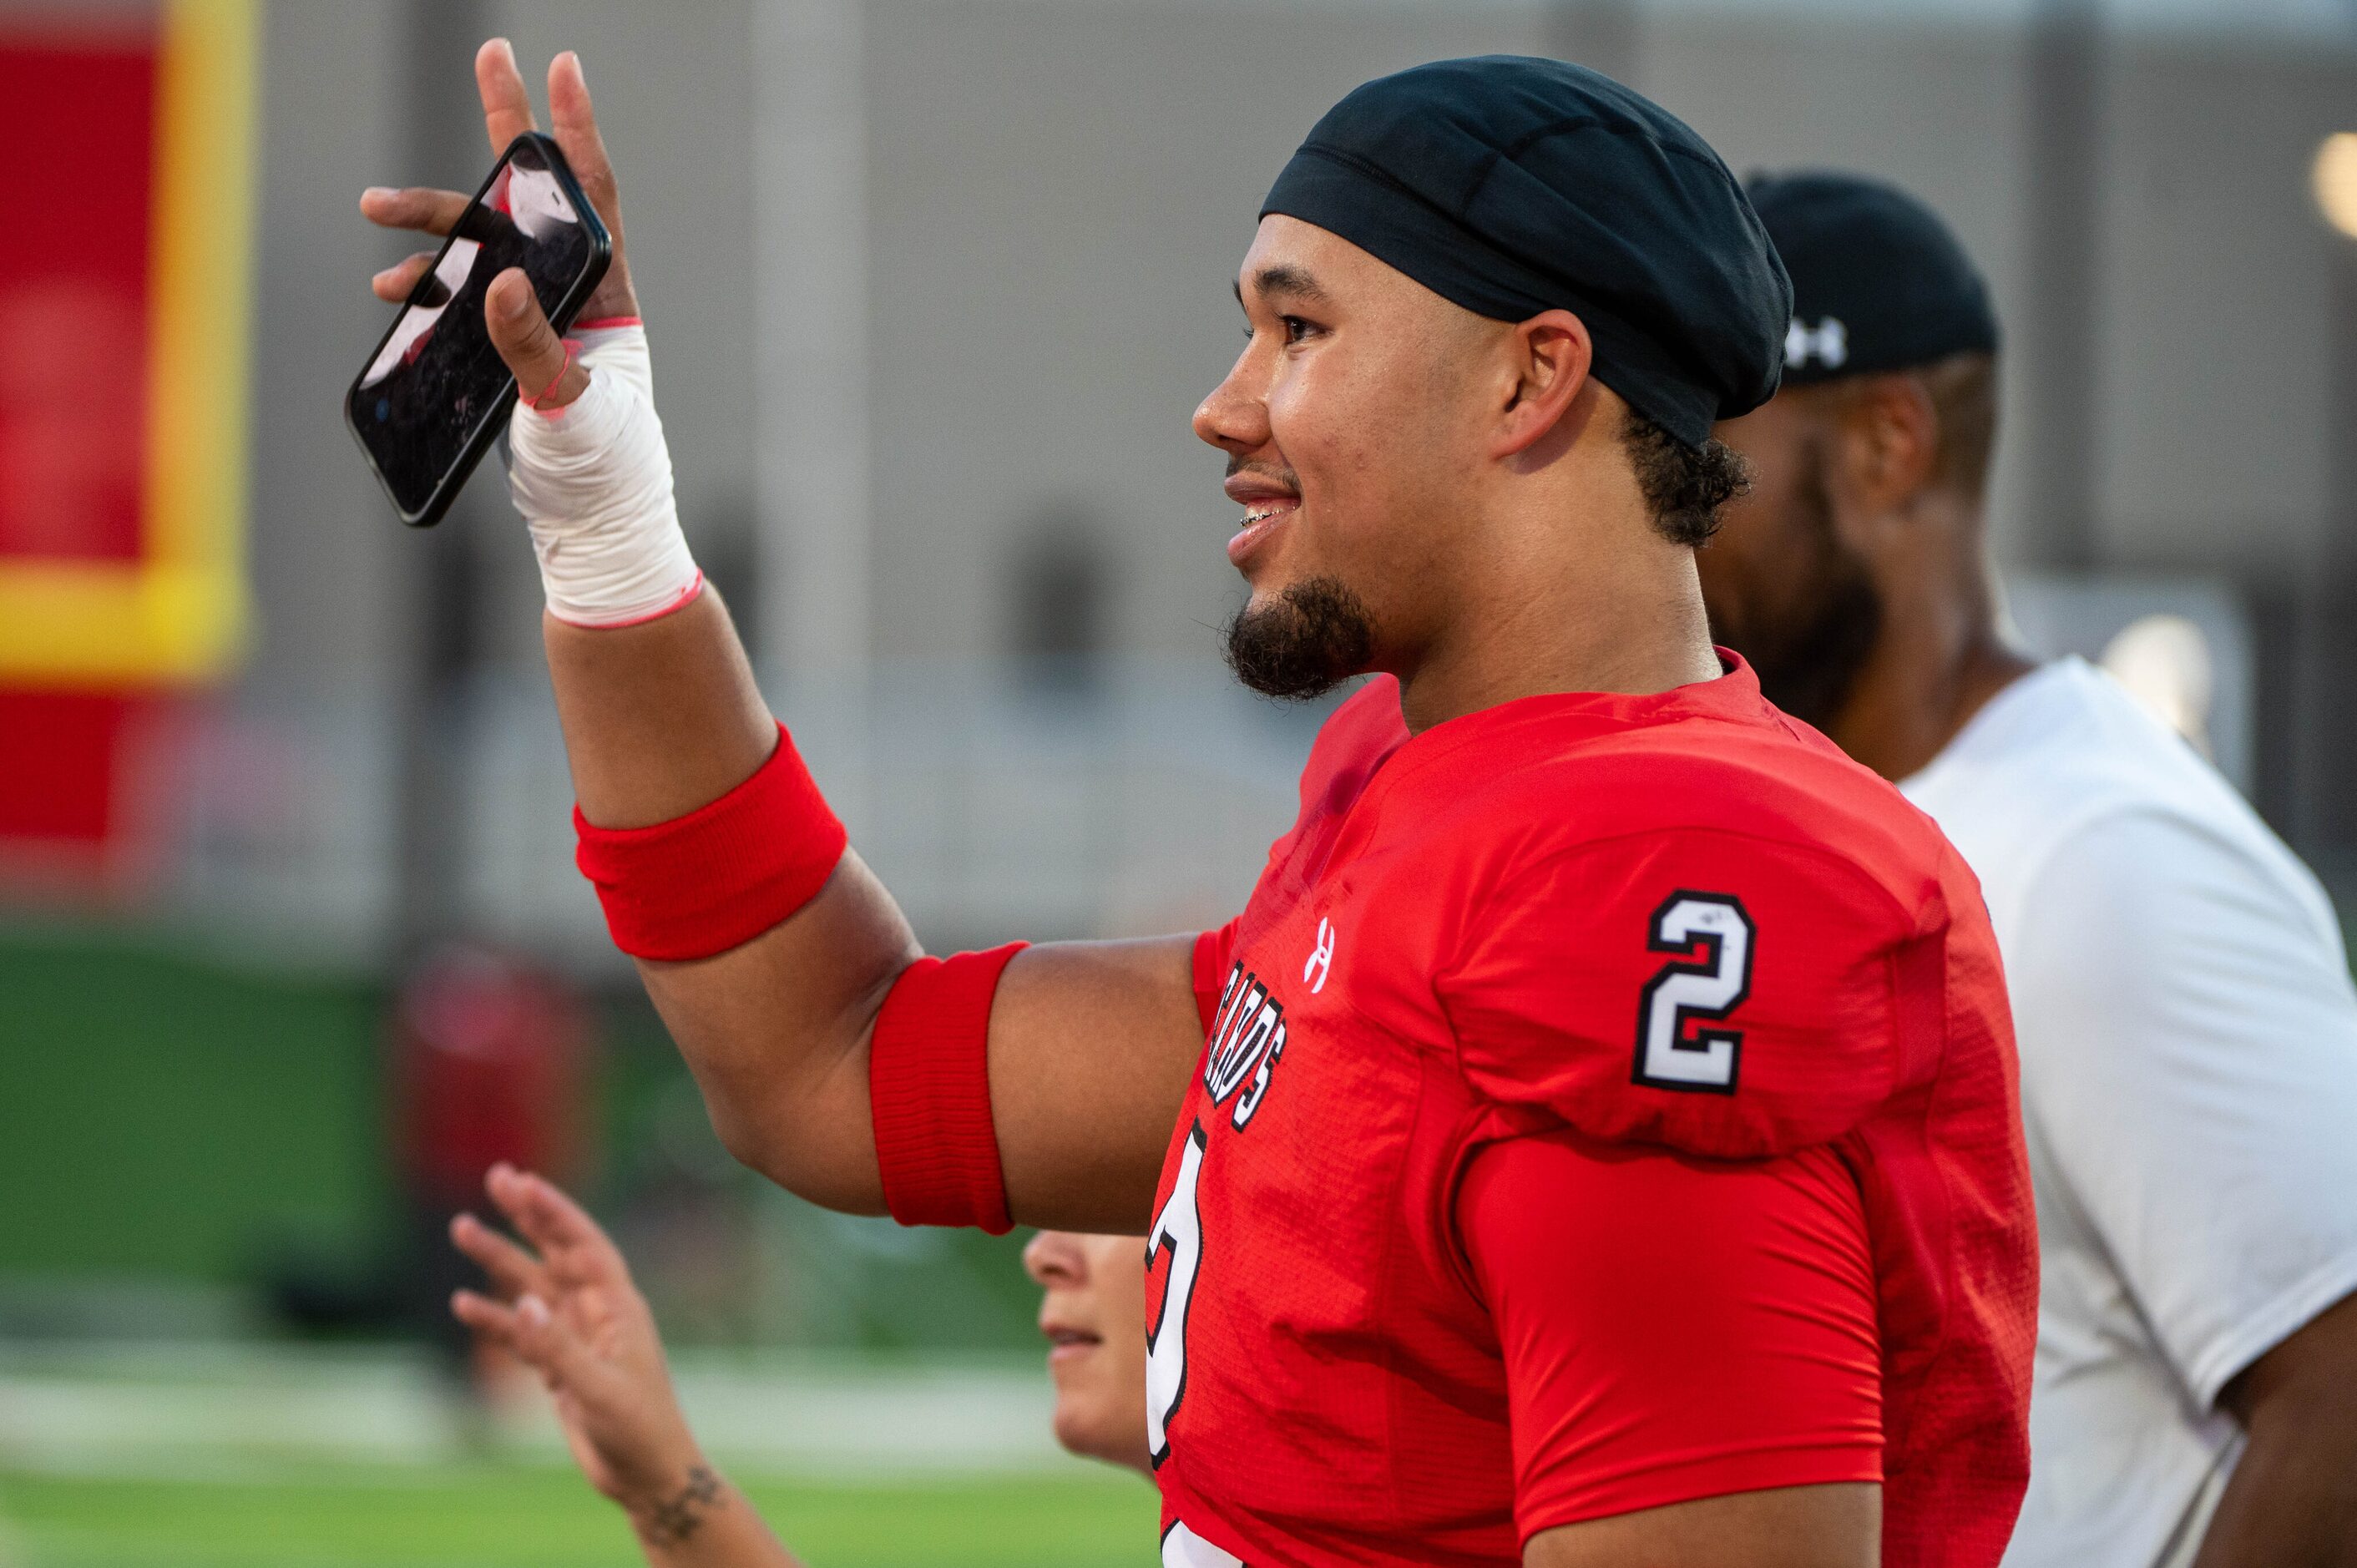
(1879, 284)
(1829, 343)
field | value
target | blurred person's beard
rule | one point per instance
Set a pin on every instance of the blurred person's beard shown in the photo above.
(1809, 661)
(1315, 637)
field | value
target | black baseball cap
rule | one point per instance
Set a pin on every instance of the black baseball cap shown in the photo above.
(1878, 282)
(1512, 185)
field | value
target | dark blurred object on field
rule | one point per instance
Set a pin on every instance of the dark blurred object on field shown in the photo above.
(488, 1062)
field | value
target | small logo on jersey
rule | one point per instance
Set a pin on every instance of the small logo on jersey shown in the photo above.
(1247, 1040)
(1829, 343)
(1321, 958)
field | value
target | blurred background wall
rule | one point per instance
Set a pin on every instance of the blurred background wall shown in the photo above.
(933, 286)
(931, 345)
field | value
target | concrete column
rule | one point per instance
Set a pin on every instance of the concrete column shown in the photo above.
(2055, 333)
(440, 586)
(811, 258)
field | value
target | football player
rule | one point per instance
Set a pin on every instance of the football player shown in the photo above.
(1595, 1141)
(2189, 1033)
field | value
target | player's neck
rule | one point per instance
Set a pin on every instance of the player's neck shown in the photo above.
(1942, 655)
(1630, 621)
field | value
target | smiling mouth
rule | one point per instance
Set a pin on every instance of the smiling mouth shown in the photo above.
(1262, 516)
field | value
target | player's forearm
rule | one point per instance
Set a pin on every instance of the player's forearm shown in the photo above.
(661, 719)
(704, 1523)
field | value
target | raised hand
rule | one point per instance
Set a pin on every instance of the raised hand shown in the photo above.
(518, 327)
(567, 1307)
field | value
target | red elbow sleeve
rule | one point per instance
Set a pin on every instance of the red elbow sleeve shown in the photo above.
(929, 1091)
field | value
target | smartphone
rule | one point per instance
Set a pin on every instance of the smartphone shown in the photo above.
(435, 394)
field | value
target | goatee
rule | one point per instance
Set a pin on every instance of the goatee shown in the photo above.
(1316, 635)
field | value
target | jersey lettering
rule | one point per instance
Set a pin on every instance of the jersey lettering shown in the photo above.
(1715, 933)
(1179, 1228)
(1247, 1038)
(1182, 1548)
(1252, 1098)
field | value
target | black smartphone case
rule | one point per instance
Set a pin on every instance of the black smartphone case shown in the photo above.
(495, 419)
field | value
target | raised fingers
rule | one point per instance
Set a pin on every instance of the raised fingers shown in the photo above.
(486, 1318)
(574, 126)
(432, 211)
(552, 1222)
(507, 107)
(511, 1270)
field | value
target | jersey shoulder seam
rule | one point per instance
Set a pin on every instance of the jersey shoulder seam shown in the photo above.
(1533, 865)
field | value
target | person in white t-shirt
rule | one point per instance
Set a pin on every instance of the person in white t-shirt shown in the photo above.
(2181, 997)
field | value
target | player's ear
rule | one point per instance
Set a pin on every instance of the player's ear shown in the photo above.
(1889, 440)
(1547, 362)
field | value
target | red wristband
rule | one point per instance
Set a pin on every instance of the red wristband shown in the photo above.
(929, 1092)
(720, 875)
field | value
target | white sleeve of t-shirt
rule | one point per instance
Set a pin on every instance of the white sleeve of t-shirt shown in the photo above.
(2189, 1048)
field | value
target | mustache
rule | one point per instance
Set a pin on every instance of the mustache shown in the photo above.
(1278, 473)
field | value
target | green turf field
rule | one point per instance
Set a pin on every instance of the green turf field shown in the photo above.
(509, 1518)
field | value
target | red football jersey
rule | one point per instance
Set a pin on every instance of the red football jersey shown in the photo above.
(1680, 929)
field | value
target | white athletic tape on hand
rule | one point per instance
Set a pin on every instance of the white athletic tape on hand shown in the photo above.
(593, 481)
(624, 348)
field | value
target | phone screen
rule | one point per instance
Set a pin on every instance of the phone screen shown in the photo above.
(424, 408)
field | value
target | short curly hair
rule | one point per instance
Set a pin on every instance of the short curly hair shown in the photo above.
(1683, 485)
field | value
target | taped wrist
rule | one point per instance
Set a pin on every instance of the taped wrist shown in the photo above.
(929, 1093)
(593, 480)
(720, 875)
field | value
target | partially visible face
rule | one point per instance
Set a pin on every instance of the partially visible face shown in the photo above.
(1783, 587)
(1094, 1315)
(1352, 436)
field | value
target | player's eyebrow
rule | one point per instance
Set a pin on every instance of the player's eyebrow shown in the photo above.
(1282, 281)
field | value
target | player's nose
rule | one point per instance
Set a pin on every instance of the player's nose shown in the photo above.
(1054, 1257)
(1234, 418)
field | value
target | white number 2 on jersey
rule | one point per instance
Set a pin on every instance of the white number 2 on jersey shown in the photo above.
(1178, 1227)
(1701, 989)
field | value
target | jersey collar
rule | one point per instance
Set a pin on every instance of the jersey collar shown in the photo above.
(1733, 698)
